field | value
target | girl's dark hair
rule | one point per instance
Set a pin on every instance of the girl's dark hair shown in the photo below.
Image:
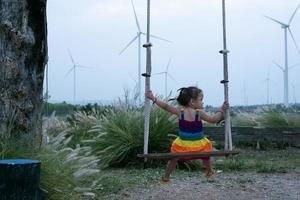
(186, 94)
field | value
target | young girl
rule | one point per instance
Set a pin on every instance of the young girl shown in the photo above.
(191, 135)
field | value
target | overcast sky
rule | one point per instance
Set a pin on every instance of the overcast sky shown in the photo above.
(96, 31)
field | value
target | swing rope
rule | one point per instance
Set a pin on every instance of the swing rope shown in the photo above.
(147, 76)
(228, 137)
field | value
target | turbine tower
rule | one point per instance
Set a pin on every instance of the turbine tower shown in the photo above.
(73, 68)
(267, 80)
(166, 74)
(294, 93)
(138, 37)
(286, 28)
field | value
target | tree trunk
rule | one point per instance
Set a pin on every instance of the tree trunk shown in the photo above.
(23, 56)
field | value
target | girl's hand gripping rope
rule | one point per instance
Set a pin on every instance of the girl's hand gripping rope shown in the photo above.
(150, 96)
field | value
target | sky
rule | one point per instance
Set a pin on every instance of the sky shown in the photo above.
(95, 31)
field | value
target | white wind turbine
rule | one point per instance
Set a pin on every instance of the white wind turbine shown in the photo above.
(73, 68)
(267, 80)
(283, 69)
(286, 27)
(138, 37)
(294, 92)
(166, 74)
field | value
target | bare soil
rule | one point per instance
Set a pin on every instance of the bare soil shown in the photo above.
(223, 186)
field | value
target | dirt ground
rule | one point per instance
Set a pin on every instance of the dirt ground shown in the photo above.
(223, 186)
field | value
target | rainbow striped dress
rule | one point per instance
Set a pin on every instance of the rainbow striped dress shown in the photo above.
(191, 137)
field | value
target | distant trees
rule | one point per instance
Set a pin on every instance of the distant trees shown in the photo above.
(23, 56)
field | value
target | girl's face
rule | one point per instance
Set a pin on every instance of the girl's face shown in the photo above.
(197, 103)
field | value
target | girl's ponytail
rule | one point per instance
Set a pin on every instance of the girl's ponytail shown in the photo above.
(186, 94)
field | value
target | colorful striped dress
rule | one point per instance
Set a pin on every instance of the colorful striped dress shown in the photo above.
(191, 137)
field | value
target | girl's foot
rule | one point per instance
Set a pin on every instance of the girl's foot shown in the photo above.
(164, 180)
(210, 173)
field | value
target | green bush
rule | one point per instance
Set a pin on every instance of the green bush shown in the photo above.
(120, 135)
(244, 119)
(273, 118)
(79, 124)
(60, 109)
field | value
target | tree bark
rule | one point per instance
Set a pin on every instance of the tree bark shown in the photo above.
(23, 56)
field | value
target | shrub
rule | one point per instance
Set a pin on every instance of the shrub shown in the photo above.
(273, 118)
(120, 135)
(79, 124)
(244, 119)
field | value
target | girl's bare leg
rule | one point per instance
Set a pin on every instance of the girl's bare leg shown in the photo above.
(207, 164)
(170, 168)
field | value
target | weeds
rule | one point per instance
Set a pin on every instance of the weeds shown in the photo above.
(231, 164)
(268, 167)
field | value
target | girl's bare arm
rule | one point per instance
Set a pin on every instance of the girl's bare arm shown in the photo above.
(162, 104)
(215, 118)
(211, 119)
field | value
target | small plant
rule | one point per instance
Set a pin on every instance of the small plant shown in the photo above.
(231, 164)
(268, 167)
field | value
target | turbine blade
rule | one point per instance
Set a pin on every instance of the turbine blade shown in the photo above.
(135, 16)
(160, 38)
(294, 41)
(293, 14)
(128, 44)
(83, 66)
(135, 81)
(172, 77)
(156, 37)
(270, 18)
(158, 73)
(168, 64)
(293, 66)
(69, 71)
(71, 57)
(278, 65)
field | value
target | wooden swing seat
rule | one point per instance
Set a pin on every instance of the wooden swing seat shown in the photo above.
(188, 154)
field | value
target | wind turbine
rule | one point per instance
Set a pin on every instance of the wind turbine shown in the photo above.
(286, 27)
(167, 74)
(294, 93)
(73, 68)
(284, 70)
(138, 37)
(267, 80)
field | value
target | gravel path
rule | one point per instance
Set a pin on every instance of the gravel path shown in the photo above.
(224, 186)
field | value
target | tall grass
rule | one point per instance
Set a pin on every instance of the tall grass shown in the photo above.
(240, 119)
(120, 135)
(8, 132)
(273, 118)
(267, 117)
(79, 124)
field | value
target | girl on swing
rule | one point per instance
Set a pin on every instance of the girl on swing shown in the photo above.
(191, 136)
